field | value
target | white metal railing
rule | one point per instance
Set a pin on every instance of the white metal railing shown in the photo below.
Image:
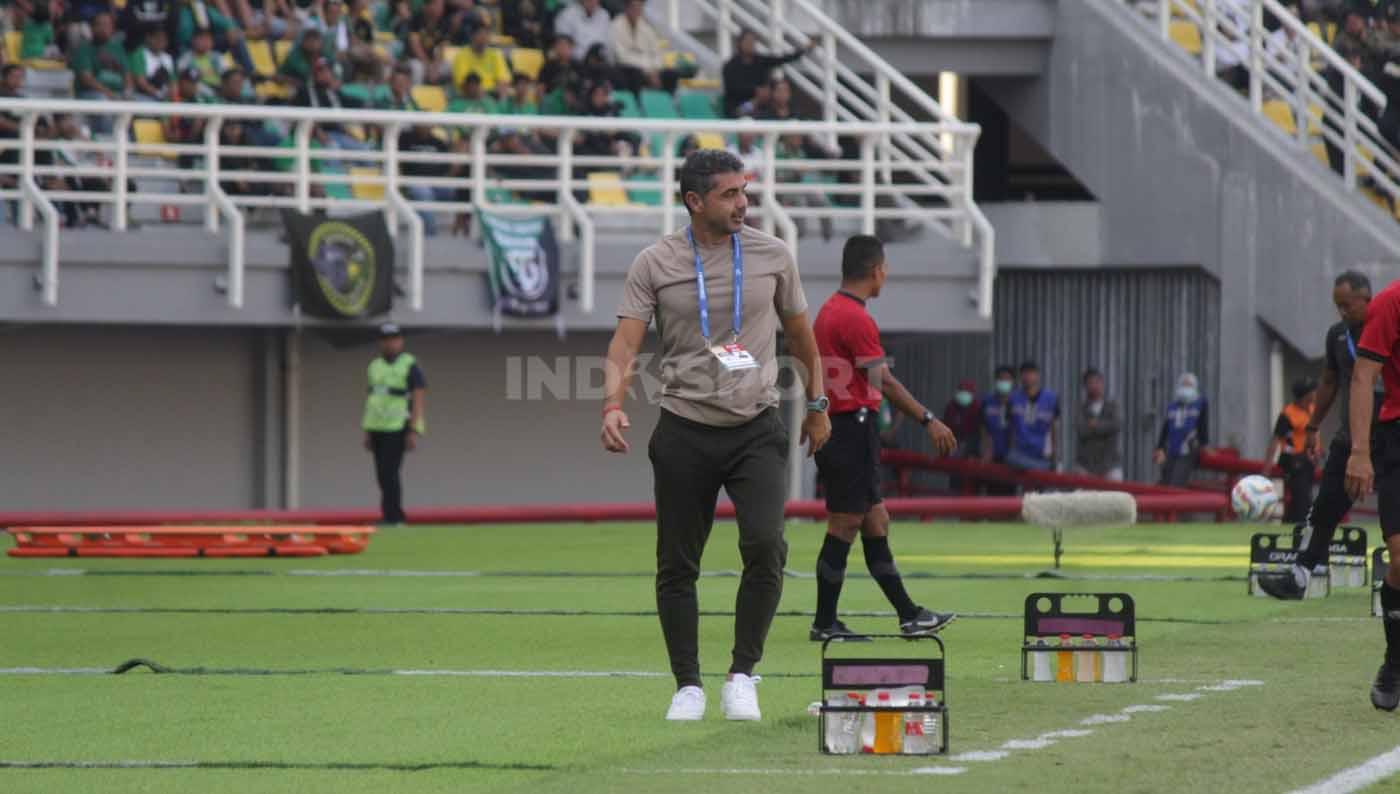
(227, 181)
(1327, 99)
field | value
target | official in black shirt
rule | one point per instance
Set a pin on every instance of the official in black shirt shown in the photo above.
(1351, 293)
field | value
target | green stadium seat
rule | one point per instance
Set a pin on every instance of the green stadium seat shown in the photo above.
(696, 105)
(651, 197)
(628, 101)
(658, 105)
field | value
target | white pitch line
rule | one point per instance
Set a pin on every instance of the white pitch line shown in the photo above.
(1144, 709)
(923, 770)
(378, 572)
(128, 764)
(1358, 777)
(1104, 719)
(535, 673)
(980, 755)
(1038, 743)
(1067, 733)
(55, 670)
(1174, 697)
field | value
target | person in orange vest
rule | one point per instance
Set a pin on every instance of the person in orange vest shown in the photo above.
(1298, 458)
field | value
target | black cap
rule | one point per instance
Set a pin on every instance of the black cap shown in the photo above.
(192, 74)
(1029, 366)
(390, 330)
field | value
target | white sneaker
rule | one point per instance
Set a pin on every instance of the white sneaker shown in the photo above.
(688, 704)
(739, 699)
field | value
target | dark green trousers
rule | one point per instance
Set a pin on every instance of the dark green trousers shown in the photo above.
(691, 462)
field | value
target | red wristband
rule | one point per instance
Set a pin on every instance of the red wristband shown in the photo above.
(607, 409)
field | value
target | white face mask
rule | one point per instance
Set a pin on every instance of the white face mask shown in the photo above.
(1187, 394)
(1095, 408)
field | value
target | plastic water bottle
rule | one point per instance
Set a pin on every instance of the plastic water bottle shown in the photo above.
(1040, 662)
(914, 740)
(1088, 661)
(836, 732)
(1115, 661)
(931, 723)
(1064, 661)
(889, 730)
(864, 724)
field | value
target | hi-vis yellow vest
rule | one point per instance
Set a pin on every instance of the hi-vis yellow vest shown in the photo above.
(387, 407)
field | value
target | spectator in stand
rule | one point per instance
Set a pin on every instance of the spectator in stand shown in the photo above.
(11, 87)
(1035, 424)
(603, 143)
(99, 69)
(746, 148)
(203, 60)
(77, 214)
(471, 97)
(963, 415)
(424, 36)
(152, 69)
(558, 67)
(797, 147)
(747, 70)
(1298, 459)
(636, 48)
(523, 21)
(264, 19)
(234, 132)
(187, 129)
(587, 23)
(524, 99)
(400, 94)
(295, 69)
(487, 63)
(324, 92)
(193, 15)
(996, 424)
(1097, 428)
(420, 139)
(190, 87)
(140, 16)
(1185, 431)
(38, 35)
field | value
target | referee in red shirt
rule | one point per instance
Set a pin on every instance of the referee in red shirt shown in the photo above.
(857, 375)
(1375, 462)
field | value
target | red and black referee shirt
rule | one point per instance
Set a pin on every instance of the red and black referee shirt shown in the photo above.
(849, 343)
(1380, 341)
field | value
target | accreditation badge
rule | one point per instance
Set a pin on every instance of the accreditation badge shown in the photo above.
(734, 357)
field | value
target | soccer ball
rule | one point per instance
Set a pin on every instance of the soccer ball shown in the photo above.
(1253, 497)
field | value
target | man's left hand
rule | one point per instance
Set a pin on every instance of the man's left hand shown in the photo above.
(944, 442)
(816, 429)
(410, 440)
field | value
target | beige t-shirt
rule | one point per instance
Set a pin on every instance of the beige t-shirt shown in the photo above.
(661, 284)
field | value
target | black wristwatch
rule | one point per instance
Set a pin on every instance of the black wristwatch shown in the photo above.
(819, 405)
(926, 418)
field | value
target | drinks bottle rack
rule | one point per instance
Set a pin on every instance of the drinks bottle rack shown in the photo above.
(915, 721)
(1083, 637)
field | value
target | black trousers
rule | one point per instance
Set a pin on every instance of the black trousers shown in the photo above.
(1331, 505)
(690, 463)
(1178, 469)
(1298, 476)
(388, 449)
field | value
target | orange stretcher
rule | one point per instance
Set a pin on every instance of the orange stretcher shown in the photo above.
(189, 541)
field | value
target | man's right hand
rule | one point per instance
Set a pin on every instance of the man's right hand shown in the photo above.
(615, 422)
(1360, 475)
(1159, 457)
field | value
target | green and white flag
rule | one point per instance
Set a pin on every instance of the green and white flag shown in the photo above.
(524, 270)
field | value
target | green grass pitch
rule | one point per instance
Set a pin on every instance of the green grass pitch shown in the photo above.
(300, 693)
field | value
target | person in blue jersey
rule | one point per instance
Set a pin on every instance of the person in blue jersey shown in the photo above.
(1035, 423)
(1185, 430)
(996, 424)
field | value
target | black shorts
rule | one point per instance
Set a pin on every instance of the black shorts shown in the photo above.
(849, 463)
(1385, 458)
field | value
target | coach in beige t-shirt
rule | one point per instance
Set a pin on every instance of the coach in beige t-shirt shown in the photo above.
(719, 427)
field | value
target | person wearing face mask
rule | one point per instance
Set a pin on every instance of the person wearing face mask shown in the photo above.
(1185, 430)
(996, 424)
(1035, 423)
(1351, 294)
(963, 415)
(1097, 428)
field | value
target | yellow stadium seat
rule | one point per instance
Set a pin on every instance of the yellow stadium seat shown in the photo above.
(605, 189)
(1186, 35)
(151, 132)
(709, 140)
(12, 45)
(499, 40)
(1280, 113)
(524, 60)
(270, 90)
(362, 189)
(261, 53)
(702, 84)
(430, 98)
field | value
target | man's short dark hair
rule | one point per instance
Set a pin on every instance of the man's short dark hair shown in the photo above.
(1089, 373)
(1354, 279)
(1003, 369)
(700, 168)
(1029, 366)
(10, 68)
(862, 254)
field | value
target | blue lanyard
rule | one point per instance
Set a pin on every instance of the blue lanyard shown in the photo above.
(705, 295)
(1351, 345)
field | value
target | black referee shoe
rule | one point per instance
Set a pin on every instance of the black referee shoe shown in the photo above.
(927, 622)
(838, 630)
(1385, 692)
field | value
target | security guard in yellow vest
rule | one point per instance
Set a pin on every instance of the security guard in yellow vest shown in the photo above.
(393, 420)
(1299, 459)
